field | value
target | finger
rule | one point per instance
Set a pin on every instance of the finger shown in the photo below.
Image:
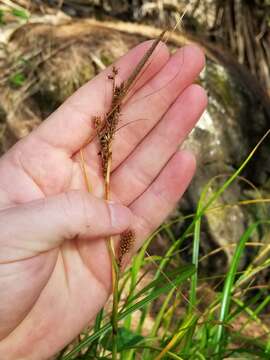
(70, 126)
(39, 226)
(136, 173)
(143, 112)
(154, 205)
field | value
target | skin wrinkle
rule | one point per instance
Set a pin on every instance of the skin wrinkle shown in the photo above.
(160, 47)
(77, 179)
(7, 202)
(135, 137)
(137, 141)
(98, 283)
(73, 105)
(145, 224)
(143, 178)
(67, 199)
(25, 259)
(136, 86)
(110, 216)
(51, 146)
(27, 173)
(88, 151)
(56, 272)
(181, 132)
(41, 289)
(62, 255)
(136, 205)
(20, 264)
(157, 92)
(171, 140)
(43, 329)
(47, 188)
(154, 92)
(15, 165)
(160, 194)
(7, 239)
(92, 270)
(16, 248)
(161, 114)
(84, 210)
(89, 121)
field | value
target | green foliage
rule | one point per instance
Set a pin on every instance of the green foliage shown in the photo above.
(17, 79)
(2, 22)
(164, 319)
(20, 13)
(126, 339)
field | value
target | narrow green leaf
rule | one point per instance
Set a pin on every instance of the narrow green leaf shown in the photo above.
(228, 286)
(183, 276)
(2, 22)
(20, 13)
(126, 339)
(17, 79)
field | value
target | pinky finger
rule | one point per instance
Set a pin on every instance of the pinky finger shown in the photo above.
(156, 203)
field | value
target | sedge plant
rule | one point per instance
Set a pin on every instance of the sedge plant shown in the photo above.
(181, 328)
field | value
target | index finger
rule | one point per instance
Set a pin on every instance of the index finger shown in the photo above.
(70, 126)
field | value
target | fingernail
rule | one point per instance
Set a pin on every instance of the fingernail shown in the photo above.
(120, 216)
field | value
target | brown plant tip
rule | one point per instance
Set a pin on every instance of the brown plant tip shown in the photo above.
(127, 240)
(107, 128)
(96, 120)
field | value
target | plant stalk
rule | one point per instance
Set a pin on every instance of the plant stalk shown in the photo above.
(115, 270)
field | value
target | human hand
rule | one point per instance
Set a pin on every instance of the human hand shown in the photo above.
(55, 272)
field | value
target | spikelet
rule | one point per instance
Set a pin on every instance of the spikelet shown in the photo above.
(107, 128)
(127, 239)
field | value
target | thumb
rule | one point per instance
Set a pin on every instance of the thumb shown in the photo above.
(38, 226)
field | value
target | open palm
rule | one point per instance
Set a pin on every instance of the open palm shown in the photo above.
(54, 268)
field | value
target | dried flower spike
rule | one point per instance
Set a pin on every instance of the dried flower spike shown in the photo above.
(127, 239)
(107, 128)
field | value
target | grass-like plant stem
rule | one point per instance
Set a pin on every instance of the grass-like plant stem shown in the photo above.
(115, 269)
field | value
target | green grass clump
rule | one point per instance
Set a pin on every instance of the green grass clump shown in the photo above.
(167, 317)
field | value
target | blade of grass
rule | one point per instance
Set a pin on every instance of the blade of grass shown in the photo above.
(257, 312)
(156, 283)
(185, 274)
(228, 287)
(214, 197)
(158, 319)
(189, 321)
(92, 350)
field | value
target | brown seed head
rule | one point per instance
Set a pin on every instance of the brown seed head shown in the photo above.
(127, 239)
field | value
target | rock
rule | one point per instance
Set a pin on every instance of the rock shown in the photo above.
(221, 142)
